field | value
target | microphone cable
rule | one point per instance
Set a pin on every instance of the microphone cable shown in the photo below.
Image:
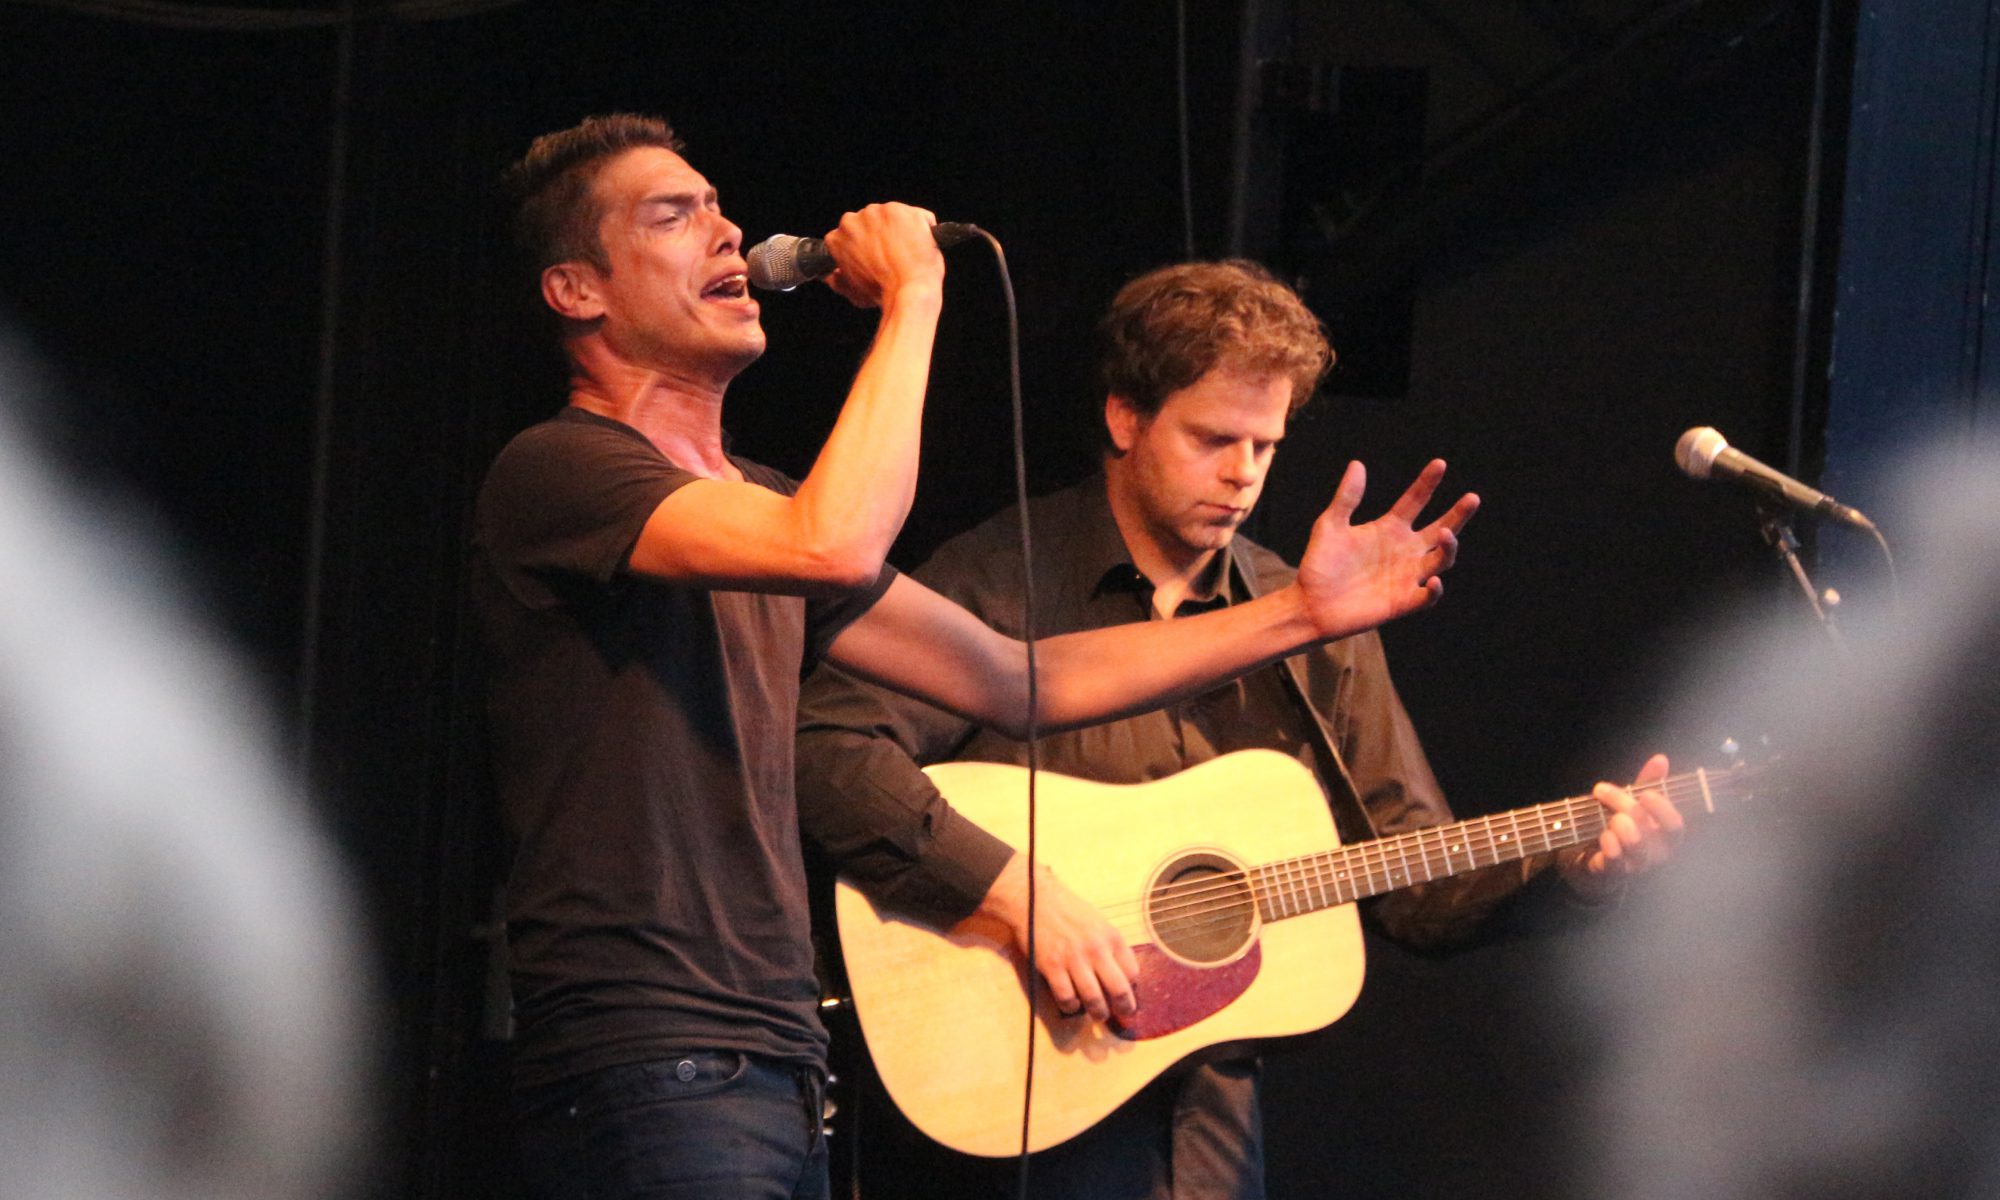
(1033, 723)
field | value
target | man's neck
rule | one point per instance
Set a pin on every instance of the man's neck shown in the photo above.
(1172, 568)
(681, 416)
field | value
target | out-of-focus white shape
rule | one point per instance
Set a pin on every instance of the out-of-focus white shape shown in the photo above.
(181, 994)
(1807, 1001)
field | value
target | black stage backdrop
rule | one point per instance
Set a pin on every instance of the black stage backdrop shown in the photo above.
(1602, 245)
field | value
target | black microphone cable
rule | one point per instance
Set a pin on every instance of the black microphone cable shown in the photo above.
(1033, 730)
(776, 266)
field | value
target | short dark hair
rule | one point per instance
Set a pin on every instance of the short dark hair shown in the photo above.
(557, 217)
(1171, 326)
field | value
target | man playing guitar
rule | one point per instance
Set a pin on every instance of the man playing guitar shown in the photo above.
(1204, 363)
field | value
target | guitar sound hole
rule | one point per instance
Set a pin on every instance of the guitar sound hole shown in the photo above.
(1202, 909)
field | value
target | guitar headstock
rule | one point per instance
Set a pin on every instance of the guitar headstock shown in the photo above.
(1748, 778)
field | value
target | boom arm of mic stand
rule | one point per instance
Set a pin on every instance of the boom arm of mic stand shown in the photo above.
(1775, 524)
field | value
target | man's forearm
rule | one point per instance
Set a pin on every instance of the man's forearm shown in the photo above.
(858, 492)
(1103, 674)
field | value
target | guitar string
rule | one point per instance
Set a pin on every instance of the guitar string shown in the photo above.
(1221, 898)
(1295, 881)
(1429, 840)
(1383, 857)
(1295, 886)
(1402, 854)
(1377, 864)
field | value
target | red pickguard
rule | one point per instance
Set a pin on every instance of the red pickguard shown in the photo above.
(1174, 995)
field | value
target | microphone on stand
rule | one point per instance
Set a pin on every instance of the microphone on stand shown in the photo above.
(1705, 454)
(782, 262)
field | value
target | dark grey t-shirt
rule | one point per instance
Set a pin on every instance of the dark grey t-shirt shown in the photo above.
(642, 740)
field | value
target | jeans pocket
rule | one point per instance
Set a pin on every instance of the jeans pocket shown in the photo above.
(648, 1085)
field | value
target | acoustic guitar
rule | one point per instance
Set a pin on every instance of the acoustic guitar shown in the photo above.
(1230, 885)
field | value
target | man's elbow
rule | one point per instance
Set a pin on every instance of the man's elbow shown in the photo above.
(843, 569)
(841, 559)
(833, 560)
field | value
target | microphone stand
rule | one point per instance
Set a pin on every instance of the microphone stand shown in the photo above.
(1774, 522)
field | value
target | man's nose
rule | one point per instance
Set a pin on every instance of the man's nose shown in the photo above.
(1239, 464)
(729, 236)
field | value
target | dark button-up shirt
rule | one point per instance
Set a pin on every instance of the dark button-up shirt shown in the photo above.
(864, 799)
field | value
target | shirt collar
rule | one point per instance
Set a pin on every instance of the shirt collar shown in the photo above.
(1106, 564)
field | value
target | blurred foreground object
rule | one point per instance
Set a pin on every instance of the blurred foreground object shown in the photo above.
(1805, 1007)
(181, 993)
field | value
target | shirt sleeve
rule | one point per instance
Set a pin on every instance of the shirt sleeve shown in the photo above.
(866, 803)
(563, 506)
(826, 616)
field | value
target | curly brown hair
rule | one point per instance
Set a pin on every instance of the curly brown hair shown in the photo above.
(1171, 326)
(557, 217)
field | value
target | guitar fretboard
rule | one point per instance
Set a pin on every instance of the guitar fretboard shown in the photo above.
(1292, 886)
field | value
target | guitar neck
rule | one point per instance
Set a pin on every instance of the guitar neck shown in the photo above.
(1294, 886)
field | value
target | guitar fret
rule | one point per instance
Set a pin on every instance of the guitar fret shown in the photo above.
(1559, 826)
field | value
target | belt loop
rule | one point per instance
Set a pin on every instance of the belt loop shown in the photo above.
(812, 1083)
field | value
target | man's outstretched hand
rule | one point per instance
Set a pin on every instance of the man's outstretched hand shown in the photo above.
(1355, 577)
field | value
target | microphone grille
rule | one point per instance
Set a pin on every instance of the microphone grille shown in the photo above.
(1696, 450)
(774, 263)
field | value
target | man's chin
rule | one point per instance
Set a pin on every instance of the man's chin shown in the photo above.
(743, 353)
(1205, 537)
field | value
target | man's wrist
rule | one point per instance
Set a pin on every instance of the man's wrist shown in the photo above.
(914, 297)
(1006, 899)
(1292, 618)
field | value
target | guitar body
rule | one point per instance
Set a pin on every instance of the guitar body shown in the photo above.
(945, 1013)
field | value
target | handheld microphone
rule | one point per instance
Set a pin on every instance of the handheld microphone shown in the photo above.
(782, 262)
(1705, 454)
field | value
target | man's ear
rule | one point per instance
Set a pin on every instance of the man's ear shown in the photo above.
(1123, 421)
(570, 288)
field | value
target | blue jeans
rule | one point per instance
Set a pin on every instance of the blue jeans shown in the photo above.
(713, 1125)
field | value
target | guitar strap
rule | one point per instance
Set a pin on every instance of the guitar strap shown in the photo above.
(1350, 817)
